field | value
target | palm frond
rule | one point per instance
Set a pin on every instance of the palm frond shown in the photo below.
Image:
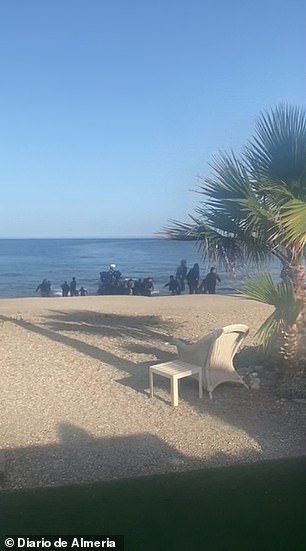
(274, 194)
(248, 209)
(282, 297)
(277, 153)
(271, 328)
(182, 231)
(262, 289)
(293, 220)
(257, 220)
(228, 185)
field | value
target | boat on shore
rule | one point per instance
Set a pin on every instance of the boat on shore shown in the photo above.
(112, 283)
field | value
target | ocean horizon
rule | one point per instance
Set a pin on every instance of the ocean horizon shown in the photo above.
(26, 262)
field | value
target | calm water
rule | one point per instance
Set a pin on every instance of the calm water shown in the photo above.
(25, 262)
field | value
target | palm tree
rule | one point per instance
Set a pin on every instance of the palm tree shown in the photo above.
(253, 207)
(281, 327)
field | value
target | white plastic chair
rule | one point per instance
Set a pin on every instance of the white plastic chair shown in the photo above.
(215, 352)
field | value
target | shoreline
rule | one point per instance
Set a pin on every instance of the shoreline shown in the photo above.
(180, 305)
(157, 292)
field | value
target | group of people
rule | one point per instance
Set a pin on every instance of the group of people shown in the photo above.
(112, 283)
(142, 287)
(67, 289)
(71, 289)
(176, 283)
(111, 277)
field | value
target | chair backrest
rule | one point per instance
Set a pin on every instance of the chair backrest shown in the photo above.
(200, 351)
(226, 345)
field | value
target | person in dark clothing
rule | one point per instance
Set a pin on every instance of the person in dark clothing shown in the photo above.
(113, 274)
(211, 281)
(173, 285)
(65, 289)
(73, 288)
(148, 287)
(130, 286)
(45, 288)
(193, 278)
(83, 292)
(203, 287)
(181, 274)
(137, 287)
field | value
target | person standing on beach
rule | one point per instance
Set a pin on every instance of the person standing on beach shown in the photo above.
(211, 281)
(83, 292)
(73, 288)
(181, 274)
(174, 286)
(148, 286)
(193, 278)
(203, 287)
(65, 289)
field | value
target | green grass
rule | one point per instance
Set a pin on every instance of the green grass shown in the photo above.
(252, 507)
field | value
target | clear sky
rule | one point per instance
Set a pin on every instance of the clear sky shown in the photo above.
(110, 109)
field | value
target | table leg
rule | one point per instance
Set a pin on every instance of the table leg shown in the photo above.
(174, 391)
(201, 383)
(151, 384)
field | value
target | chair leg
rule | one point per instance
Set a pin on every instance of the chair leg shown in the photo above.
(151, 384)
(200, 383)
(174, 391)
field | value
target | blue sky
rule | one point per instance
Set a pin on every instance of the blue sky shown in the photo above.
(111, 109)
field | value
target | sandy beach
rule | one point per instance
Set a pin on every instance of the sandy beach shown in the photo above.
(75, 405)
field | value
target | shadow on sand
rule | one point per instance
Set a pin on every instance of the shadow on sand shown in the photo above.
(252, 507)
(278, 428)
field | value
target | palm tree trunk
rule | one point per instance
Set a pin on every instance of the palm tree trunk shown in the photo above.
(299, 284)
(294, 349)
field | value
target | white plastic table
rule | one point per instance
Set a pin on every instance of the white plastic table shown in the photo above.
(174, 371)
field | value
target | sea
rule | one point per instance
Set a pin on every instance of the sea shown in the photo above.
(24, 263)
